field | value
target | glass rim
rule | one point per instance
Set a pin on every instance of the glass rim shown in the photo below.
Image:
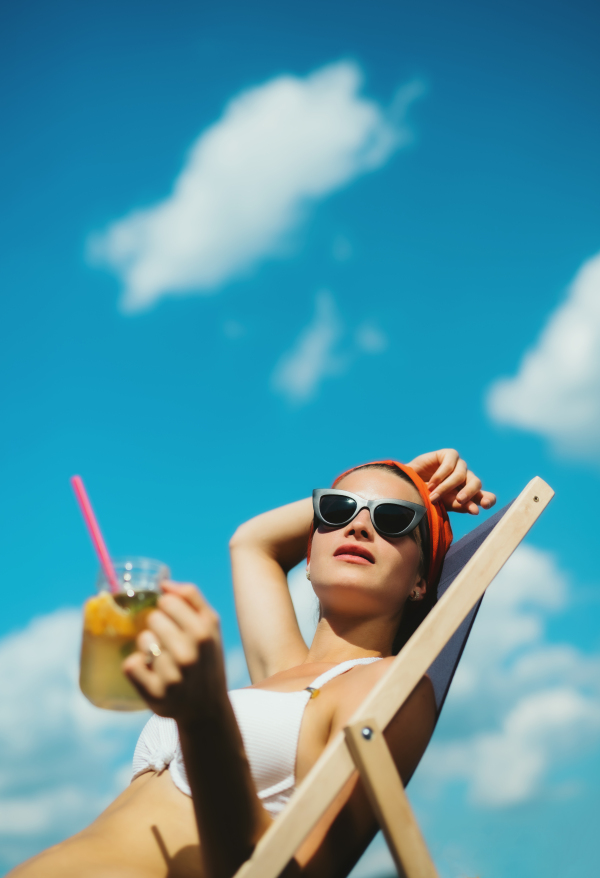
(140, 562)
(140, 566)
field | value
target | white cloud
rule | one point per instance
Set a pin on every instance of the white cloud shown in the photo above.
(63, 760)
(512, 615)
(507, 766)
(301, 370)
(523, 706)
(248, 181)
(556, 391)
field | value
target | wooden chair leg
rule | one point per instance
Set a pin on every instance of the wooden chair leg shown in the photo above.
(390, 804)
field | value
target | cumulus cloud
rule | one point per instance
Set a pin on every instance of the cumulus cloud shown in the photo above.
(524, 706)
(556, 391)
(507, 766)
(249, 180)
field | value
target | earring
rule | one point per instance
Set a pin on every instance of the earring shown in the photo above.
(415, 595)
(308, 574)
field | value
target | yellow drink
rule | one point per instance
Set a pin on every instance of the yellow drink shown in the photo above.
(111, 624)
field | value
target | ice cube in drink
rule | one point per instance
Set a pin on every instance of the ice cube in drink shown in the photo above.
(111, 624)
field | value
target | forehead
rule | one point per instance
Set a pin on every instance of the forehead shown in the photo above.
(373, 483)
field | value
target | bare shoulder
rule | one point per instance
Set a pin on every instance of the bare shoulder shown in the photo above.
(353, 687)
(365, 677)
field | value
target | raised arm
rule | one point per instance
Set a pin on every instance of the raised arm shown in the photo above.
(263, 550)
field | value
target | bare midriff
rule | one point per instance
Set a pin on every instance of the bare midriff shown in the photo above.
(149, 831)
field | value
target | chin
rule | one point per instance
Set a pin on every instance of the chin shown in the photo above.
(347, 574)
(345, 590)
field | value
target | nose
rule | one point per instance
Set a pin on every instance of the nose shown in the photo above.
(361, 525)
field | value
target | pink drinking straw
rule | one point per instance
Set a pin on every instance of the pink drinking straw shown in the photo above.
(96, 535)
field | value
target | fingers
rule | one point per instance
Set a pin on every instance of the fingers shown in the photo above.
(435, 466)
(470, 489)
(171, 646)
(472, 492)
(449, 479)
(182, 629)
(461, 491)
(450, 476)
(483, 499)
(487, 499)
(470, 507)
(186, 591)
(152, 679)
(426, 464)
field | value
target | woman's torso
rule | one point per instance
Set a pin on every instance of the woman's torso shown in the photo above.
(269, 721)
(150, 829)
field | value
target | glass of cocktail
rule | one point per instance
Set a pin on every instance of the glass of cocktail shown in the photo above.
(111, 622)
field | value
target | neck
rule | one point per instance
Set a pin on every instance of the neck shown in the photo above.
(341, 640)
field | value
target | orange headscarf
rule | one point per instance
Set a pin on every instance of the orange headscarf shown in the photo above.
(440, 532)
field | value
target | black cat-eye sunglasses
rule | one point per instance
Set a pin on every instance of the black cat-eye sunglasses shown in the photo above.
(390, 517)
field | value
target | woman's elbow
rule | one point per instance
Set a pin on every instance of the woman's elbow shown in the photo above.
(243, 536)
(236, 539)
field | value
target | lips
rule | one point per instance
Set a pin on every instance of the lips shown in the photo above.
(354, 554)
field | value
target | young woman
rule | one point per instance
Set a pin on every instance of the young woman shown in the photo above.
(373, 566)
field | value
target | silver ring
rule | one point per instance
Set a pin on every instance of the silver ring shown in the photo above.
(152, 652)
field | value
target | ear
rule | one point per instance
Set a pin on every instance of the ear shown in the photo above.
(419, 590)
(308, 572)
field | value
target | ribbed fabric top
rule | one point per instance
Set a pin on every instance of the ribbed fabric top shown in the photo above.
(270, 726)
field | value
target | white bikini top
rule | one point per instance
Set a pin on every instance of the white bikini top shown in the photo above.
(270, 726)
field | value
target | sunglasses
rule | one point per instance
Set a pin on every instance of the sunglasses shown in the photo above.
(390, 517)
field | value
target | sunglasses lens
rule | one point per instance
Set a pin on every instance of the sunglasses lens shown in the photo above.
(391, 519)
(336, 509)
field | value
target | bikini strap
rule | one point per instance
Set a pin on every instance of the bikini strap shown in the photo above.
(316, 685)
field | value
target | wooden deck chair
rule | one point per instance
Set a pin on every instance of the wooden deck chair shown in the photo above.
(434, 648)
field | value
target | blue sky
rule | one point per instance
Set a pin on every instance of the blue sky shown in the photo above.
(390, 207)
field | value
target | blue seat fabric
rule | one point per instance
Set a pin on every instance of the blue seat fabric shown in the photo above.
(442, 670)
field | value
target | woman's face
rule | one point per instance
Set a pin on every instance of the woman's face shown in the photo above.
(353, 569)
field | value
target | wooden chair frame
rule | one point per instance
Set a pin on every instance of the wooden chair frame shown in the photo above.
(362, 746)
